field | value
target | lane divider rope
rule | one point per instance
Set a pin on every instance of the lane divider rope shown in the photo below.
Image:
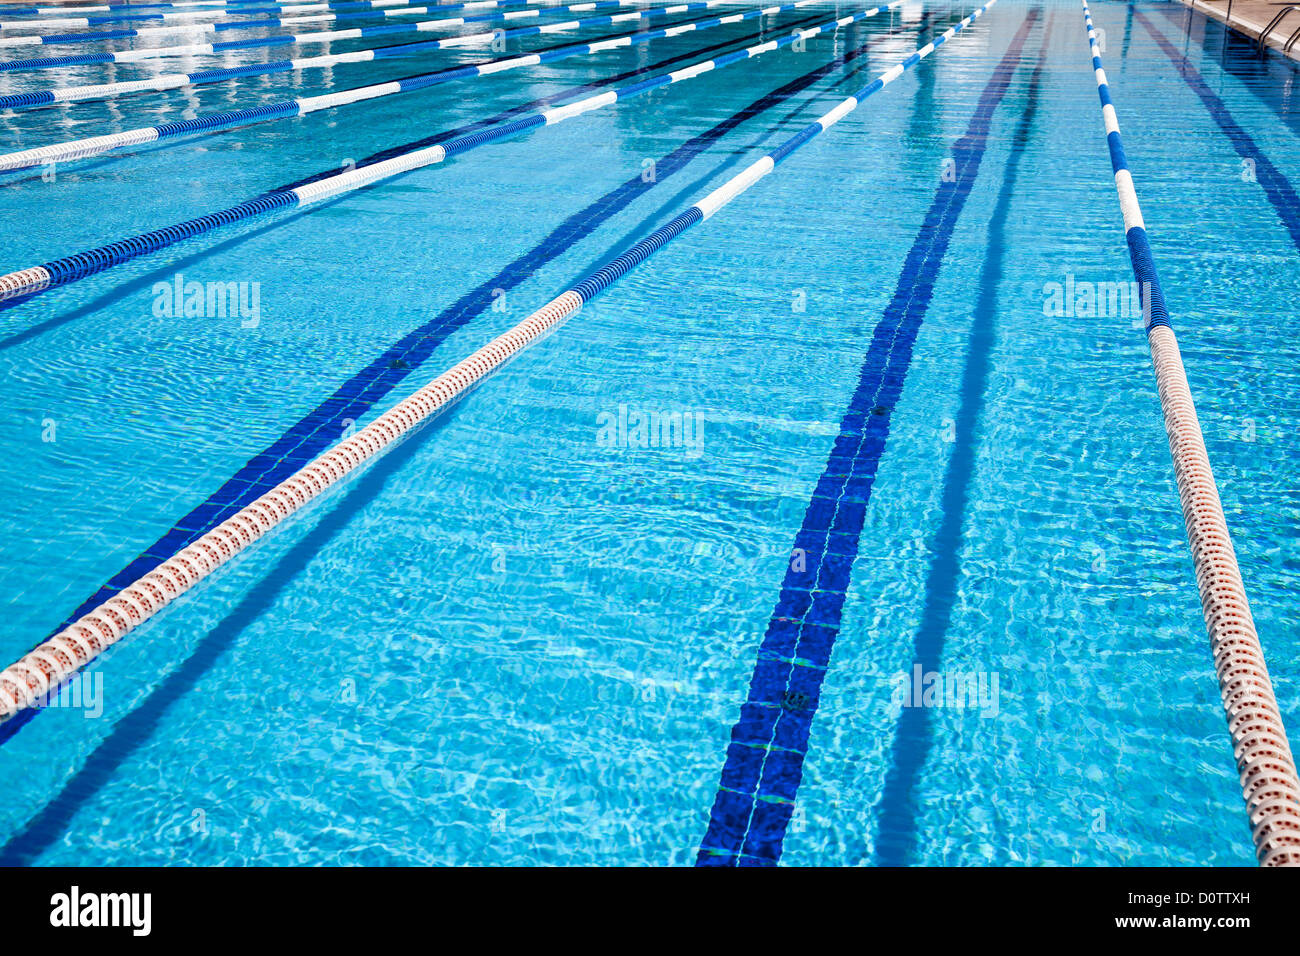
(1265, 763)
(51, 663)
(291, 39)
(109, 7)
(102, 7)
(171, 81)
(34, 280)
(265, 7)
(286, 109)
(227, 25)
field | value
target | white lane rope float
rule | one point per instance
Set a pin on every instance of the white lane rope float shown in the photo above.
(223, 26)
(228, 5)
(55, 660)
(36, 279)
(101, 7)
(300, 39)
(306, 39)
(1265, 764)
(287, 109)
(172, 81)
(124, 16)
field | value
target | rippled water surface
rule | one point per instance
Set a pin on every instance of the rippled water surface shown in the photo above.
(520, 637)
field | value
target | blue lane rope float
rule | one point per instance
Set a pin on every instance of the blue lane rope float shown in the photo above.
(222, 26)
(1265, 764)
(51, 663)
(171, 81)
(32, 281)
(301, 39)
(269, 112)
(162, 16)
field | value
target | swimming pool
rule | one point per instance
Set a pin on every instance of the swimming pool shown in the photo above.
(524, 635)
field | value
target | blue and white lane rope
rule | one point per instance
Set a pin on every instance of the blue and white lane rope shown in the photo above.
(221, 6)
(37, 279)
(222, 26)
(54, 661)
(299, 39)
(266, 7)
(112, 7)
(285, 109)
(1265, 764)
(418, 8)
(108, 7)
(98, 145)
(171, 81)
(162, 16)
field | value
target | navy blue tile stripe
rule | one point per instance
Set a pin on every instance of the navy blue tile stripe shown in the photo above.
(764, 761)
(323, 426)
(1276, 186)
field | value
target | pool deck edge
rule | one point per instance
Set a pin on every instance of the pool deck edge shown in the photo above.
(1250, 17)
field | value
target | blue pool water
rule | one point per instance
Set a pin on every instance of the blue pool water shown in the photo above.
(521, 638)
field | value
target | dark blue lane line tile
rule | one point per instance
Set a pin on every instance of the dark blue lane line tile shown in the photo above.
(896, 812)
(764, 761)
(1276, 186)
(324, 425)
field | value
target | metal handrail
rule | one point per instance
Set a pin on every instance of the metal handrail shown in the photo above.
(1281, 15)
